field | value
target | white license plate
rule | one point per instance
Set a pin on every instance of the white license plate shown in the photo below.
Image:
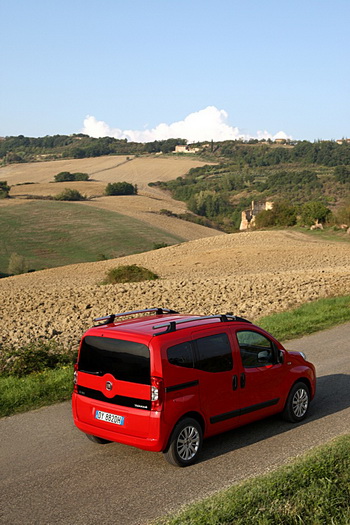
(110, 418)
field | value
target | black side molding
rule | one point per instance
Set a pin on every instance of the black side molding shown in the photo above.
(243, 411)
(181, 386)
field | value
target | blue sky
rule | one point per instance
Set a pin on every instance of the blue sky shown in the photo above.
(132, 65)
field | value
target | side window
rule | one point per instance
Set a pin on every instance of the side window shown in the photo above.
(256, 350)
(214, 353)
(181, 355)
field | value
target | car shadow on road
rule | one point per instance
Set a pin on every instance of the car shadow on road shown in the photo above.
(332, 395)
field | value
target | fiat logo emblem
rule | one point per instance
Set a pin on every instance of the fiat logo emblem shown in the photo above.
(109, 385)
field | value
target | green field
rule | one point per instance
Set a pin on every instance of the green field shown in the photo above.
(49, 234)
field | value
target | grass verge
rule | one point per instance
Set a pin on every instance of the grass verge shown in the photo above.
(35, 390)
(308, 318)
(313, 490)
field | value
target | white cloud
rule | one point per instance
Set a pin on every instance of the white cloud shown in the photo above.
(207, 124)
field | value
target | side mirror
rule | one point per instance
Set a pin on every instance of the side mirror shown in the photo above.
(280, 356)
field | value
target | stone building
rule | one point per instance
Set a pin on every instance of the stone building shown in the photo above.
(248, 216)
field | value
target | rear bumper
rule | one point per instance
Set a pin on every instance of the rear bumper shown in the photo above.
(155, 445)
(155, 432)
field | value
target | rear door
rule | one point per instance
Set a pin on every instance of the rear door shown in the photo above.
(114, 390)
(218, 379)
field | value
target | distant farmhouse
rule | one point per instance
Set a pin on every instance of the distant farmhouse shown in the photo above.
(343, 141)
(248, 216)
(186, 149)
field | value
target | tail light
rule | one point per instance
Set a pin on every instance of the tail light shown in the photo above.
(75, 377)
(157, 393)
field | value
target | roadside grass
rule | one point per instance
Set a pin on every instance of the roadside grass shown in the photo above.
(308, 318)
(20, 394)
(53, 233)
(51, 386)
(313, 490)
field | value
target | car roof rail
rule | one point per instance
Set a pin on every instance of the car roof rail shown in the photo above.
(224, 318)
(111, 317)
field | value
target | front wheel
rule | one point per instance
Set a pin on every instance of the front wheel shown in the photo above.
(185, 443)
(99, 441)
(297, 403)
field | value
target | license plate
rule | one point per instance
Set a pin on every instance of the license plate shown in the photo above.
(110, 418)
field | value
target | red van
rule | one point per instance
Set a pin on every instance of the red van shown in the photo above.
(164, 381)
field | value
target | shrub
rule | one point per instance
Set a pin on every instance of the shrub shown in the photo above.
(81, 176)
(312, 212)
(70, 195)
(158, 245)
(34, 357)
(4, 189)
(66, 176)
(17, 264)
(282, 214)
(120, 188)
(129, 274)
(342, 174)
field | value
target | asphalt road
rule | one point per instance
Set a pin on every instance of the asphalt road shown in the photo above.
(50, 473)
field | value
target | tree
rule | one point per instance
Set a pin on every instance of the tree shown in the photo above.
(342, 174)
(70, 195)
(4, 189)
(312, 212)
(120, 188)
(66, 176)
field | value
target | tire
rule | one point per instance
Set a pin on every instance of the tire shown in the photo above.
(185, 443)
(297, 404)
(99, 441)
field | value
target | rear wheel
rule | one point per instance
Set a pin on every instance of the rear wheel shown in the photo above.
(185, 443)
(99, 441)
(297, 403)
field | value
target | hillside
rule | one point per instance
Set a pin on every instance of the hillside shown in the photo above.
(29, 181)
(250, 274)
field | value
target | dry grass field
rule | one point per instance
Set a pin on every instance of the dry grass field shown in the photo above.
(137, 170)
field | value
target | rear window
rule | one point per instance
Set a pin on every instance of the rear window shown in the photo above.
(125, 360)
(181, 355)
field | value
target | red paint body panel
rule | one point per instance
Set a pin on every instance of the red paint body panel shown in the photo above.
(218, 400)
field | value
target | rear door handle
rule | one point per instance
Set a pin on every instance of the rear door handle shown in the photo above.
(242, 381)
(234, 382)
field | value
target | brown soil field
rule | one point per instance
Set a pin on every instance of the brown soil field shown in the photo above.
(138, 170)
(251, 274)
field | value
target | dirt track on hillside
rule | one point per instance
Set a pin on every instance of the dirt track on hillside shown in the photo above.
(250, 274)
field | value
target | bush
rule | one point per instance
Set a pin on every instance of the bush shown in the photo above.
(312, 212)
(17, 264)
(342, 174)
(120, 188)
(70, 195)
(282, 214)
(158, 245)
(66, 176)
(129, 274)
(34, 357)
(4, 189)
